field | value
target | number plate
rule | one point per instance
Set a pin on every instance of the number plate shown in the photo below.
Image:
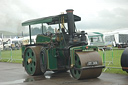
(92, 63)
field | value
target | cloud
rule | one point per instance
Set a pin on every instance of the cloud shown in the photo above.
(99, 14)
(107, 19)
(117, 2)
(13, 13)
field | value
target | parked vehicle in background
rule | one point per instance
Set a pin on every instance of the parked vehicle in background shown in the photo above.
(12, 44)
(119, 40)
(26, 41)
(1, 44)
(96, 39)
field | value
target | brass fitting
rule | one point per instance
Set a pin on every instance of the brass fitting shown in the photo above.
(71, 65)
(29, 60)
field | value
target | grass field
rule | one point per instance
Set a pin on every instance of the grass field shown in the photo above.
(5, 56)
(16, 56)
(115, 67)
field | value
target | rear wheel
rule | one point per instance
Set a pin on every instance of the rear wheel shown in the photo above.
(32, 60)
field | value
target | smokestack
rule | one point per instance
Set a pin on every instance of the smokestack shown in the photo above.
(70, 17)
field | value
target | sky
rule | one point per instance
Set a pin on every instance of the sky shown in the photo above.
(96, 15)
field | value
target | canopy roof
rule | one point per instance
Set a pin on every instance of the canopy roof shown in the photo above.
(50, 20)
(94, 34)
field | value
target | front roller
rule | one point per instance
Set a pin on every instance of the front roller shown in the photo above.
(124, 60)
(32, 60)
(87, 65)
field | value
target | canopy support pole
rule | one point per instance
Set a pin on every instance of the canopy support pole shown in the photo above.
(30, 34)
(42, 29)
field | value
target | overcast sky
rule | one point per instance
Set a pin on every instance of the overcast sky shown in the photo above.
(96, 15)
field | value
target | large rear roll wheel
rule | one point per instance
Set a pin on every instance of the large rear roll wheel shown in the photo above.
(32, 60)
(81, 60)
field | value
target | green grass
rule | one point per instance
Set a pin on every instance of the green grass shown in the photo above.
(6, 56)
(16, 54)
(116, 57)
(116, 61)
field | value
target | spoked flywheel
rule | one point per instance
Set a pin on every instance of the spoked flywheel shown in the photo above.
(81, 60)
(32, 60)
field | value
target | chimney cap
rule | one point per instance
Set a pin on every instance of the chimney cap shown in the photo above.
(69, 10)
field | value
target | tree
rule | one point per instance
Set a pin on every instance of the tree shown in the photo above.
(50, 29)
(36, 31)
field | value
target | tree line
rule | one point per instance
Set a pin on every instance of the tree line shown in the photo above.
(37, 30)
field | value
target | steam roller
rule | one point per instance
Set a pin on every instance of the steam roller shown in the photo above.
(65, 49)
(124, 60)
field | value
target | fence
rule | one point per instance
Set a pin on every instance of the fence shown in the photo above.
(10, 55)
(111, 58)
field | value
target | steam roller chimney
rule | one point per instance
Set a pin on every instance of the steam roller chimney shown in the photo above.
(71, 23)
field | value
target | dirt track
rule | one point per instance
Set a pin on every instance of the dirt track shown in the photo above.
(14, 74)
